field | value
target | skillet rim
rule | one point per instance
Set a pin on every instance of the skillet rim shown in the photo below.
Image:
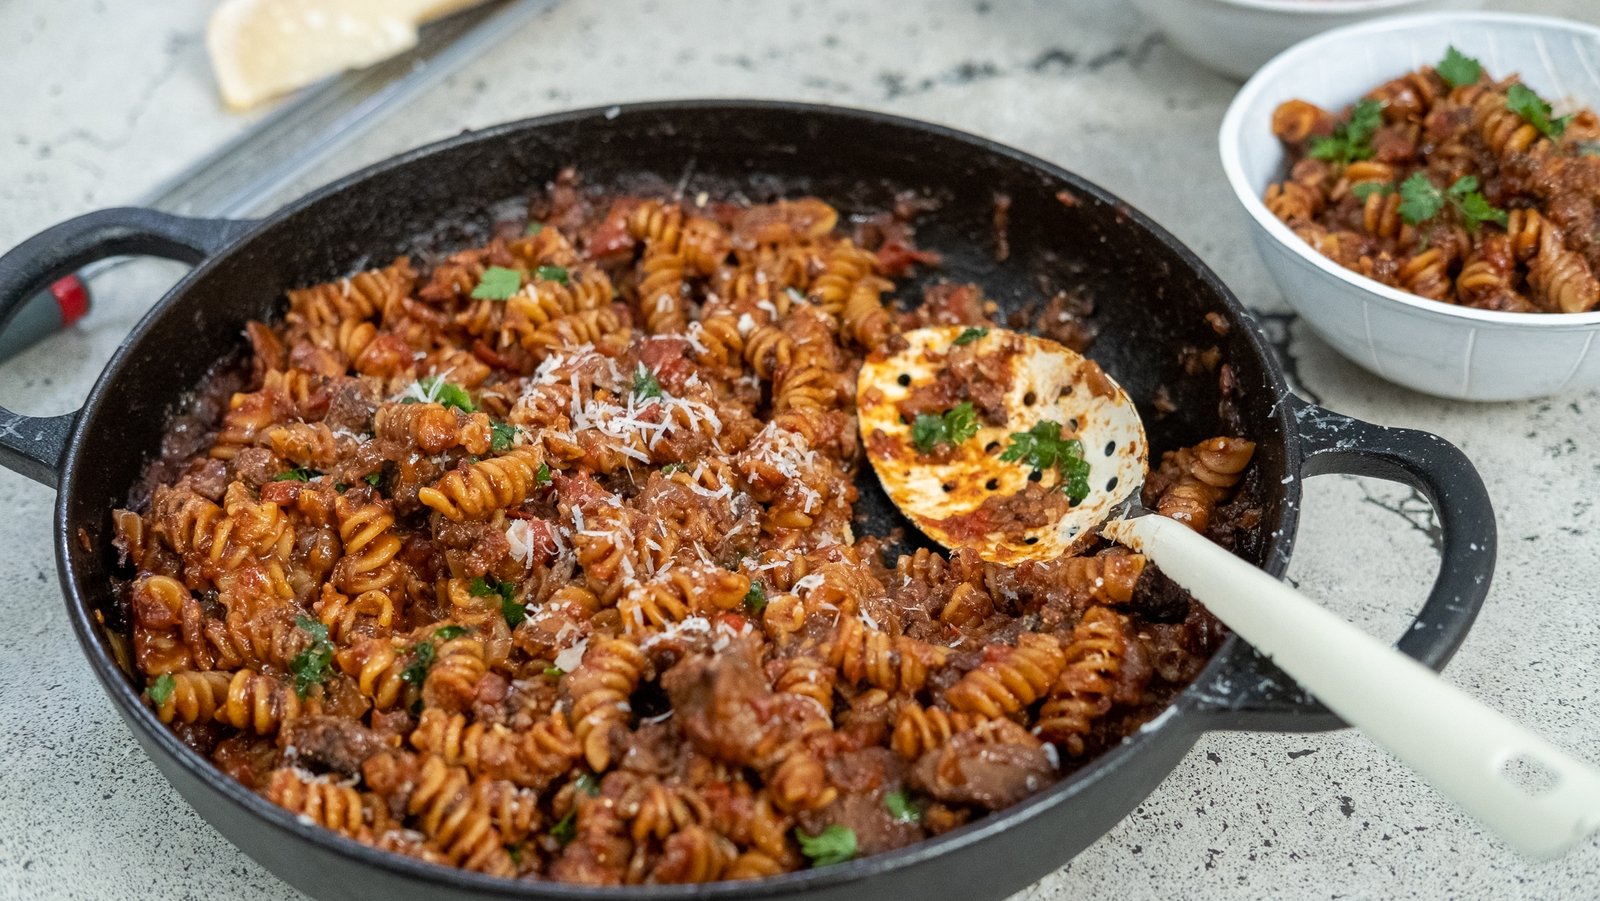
(1183, 715)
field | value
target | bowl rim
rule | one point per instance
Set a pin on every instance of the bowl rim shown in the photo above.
(1320, 8)
(1230, 139)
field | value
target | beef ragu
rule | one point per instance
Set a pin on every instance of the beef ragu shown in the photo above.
(538, 559)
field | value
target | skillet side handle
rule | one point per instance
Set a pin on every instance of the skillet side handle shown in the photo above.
(32, 445)
(1259, 696)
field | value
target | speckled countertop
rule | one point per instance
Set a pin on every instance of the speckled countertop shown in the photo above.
(101, 100)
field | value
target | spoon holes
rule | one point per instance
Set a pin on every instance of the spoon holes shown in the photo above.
(1066, 391)
(992, 484)
(1111, 448)
(1111, 484)
(1031, 539)
(1035, 476)
(1029, 399)
(904, 380)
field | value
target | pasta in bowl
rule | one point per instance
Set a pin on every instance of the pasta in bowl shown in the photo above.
(539, 560)
(1452, 209)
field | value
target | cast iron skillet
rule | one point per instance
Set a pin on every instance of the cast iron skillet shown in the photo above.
(1153, 296)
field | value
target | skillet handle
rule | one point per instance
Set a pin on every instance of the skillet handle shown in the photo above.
(32, 445)
(1257, 695)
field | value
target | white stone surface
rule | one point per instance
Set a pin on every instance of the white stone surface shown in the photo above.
(100, 99)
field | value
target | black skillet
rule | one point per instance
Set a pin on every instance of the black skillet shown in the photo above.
(1152, 294)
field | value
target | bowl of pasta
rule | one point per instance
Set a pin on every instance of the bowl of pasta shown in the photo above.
(1424, 189)
(1237, 37)
(494, 523)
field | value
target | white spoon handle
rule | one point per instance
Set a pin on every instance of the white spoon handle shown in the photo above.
(1456, 743)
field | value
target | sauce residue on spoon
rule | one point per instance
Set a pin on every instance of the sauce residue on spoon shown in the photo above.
(1005, 443)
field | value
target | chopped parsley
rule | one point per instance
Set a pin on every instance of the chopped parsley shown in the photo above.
(542, 477)
(498, 283)
(566, 828)
(310, 666)
(902, 807)
(1459, 69)
(161, 689)
(1042, 448)
(534, 227)
(951, 427)
(514, 612)
(554, 672)
(373, 478)
(434, 390)
(671, 468)
(1364, 189)
(445, 633)
(588, 784)
(755, 600)
(835, 844)
(1351, 140)
(421, 661)
(970, 335)
(341, 487)
(645, 385)
(1421, 200)
(298, 474)
(1532, 108)
(553, 274)
(501, 436)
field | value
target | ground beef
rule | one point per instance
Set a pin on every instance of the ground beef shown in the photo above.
(329, 743)
(993, 776)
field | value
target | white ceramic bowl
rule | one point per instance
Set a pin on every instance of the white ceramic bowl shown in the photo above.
(1236, 37)
(1439, 348)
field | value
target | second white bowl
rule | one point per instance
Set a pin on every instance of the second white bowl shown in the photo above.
(1439, 348)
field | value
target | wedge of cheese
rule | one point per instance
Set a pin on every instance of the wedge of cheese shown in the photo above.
(263, 48)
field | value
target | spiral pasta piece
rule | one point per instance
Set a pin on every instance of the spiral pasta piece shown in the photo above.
(483, 487)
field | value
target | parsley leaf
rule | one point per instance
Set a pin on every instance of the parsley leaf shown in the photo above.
(588, 784)
(298, 474)
(534, 227)
(161, 689)
(373, 478)
(1420, 199)
(514, 612)
(1459, 69)
(341, 487)
(566, 829)
(1361, 190)
(553, 274)
(542, 477)
(951, 427)
(755, 600)
(501, 436)
(902, 807)
(645, 385)
(1042, 448)
(554, 672)
(421, 662)
(1351, 140)
(310, 666)
(434, 390)
(498, 283)
(445, 633)
(1473, 206)
(1525, 103)
(835, 844)
(671, 468)
(970, 335)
